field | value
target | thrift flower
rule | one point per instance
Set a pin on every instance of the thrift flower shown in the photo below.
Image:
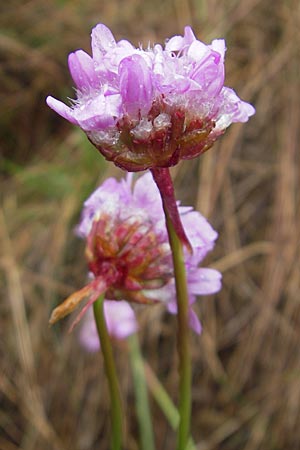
(120, 321)
(149, 108)
(128, 251)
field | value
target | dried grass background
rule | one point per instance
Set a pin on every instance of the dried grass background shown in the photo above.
(246, 364)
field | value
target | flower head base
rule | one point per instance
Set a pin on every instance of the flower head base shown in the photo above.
(128, 251)
(161, 139)
(129, 254)
(151, 108)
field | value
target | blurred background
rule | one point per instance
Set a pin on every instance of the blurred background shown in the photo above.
(246, 363)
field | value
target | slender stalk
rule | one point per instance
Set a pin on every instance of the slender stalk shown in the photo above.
(164, 401)
(183, 336)
(141, 394)
(178, 238)
(116, 408)
(161, 397)
(163, 180)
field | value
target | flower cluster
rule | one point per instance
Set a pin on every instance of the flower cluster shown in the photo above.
(146, 108)
(128, 251)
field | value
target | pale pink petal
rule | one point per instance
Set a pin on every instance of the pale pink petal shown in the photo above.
(174, 44)
(135, 85)
(120, 318)
(81, 67)
(204, 281)
(99, 113)
(61, 109)
(102, 41)
(120, 321)
(219, 45)
(194, 322)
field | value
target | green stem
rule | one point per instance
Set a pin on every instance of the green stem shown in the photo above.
(183, 336)
(161, 397)
(141, 394)
(116, 409)
(164, 401)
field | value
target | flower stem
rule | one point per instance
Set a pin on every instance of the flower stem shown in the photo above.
(164, 401)
(161, 397)
(141, 394)
(116, 409)
(183, 335)
(163, 180)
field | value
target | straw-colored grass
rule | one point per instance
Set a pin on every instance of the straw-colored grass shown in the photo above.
(246, 364)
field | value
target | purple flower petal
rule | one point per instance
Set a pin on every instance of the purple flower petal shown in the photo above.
(219, 45)
(99, 113)
(81, 67)
(189, 36)
(174, 44)
(194, 322)
(120, 321)
(61, 109)
(88, 335)
(209, 74)
(200, 233)
(135, 85)
(178, 43)
(102, 41)
(204, 281)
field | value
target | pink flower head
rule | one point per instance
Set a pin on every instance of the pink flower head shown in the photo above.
(150, 108)
(128, 251)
